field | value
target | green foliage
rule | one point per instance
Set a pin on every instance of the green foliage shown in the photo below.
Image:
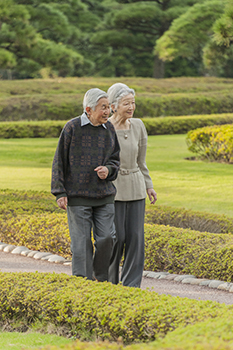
(191, 219)
(190, 32)
(21, 40)
(213, 334)
(33, 220)
(184, 251)
(154, 126)
(103, 310)
(214, 143)
(182, 124)
(69, 105)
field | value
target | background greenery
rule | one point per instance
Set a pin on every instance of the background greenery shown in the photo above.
(160, 38)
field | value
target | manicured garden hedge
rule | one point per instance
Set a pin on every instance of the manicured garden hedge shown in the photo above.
(76, 307)
(214, 143)
(154, 126)
(81, 85)
(194, 220)
(184, 251)
(212, 334)
(33, 220)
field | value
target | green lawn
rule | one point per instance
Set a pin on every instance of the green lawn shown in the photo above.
(26, 164)
(18, 341)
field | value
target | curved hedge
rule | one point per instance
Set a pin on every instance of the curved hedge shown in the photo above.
(194, 220)
(183, 251)
(214, 143)
(154, 126)
(67, 106)
(91, 310)
(212, 334)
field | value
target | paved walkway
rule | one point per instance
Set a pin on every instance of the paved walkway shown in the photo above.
(160, 283)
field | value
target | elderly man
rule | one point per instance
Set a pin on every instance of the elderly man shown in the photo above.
(85, 164)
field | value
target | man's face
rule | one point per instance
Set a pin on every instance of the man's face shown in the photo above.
(101, 113)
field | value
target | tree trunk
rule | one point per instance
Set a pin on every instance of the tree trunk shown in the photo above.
(159, 68)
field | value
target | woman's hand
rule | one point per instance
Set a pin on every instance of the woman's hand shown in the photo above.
(102, 172)
(152, 195)
(62, 203)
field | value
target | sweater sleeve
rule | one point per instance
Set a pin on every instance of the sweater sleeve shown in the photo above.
(141, 160)
(113, 162)
(59, 166)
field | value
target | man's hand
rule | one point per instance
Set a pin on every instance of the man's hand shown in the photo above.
(102, 172)
(152, 195)
(62, 203)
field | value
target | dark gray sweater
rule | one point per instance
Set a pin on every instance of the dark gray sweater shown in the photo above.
(80, 150)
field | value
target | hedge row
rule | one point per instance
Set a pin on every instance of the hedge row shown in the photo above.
(154, 126)
(184, 251)
(214, 143)
(81, 85)
(67, 106)
(194, 220)
(167, 248)
(212, 334)
(92, 310)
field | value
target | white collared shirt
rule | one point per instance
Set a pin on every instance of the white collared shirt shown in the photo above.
(85, 120)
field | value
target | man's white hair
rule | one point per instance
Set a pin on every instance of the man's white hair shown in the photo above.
(92, 97)
(117, 91)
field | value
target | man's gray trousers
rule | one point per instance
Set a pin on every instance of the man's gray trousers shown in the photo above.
(81, 220)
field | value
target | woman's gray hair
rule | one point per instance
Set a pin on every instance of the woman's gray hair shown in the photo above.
(117, 91)
(92, 97)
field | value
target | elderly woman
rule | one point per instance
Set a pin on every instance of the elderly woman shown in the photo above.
(133, 184)
(85, 164)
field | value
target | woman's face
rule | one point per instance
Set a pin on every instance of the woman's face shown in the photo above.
(126, 106)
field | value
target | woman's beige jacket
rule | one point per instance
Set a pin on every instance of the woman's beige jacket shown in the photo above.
(133, 177)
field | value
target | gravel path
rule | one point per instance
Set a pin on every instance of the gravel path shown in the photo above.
(18, 263)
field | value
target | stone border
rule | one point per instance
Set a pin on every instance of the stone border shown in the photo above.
(54, 258)
(21, 250)
(190, 279)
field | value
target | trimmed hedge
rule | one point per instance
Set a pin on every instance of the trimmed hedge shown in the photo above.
(67, 106)
(213, 334)
(81, 85)
(194, 220)
(183, 251)
(154, 126)
(91, 310)
(183, 124)
(214, 143)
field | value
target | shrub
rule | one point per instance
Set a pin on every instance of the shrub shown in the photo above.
(214, 334)
(183, 124)
(68, 105)
(194, 220)
(83, 308)
(184, 251)
(214, 143)
(154, 126)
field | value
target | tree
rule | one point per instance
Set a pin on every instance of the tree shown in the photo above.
(130, 30)
(190, 34)
(218, 54)
(25, 50)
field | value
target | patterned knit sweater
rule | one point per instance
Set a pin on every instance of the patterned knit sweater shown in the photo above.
(80, 150)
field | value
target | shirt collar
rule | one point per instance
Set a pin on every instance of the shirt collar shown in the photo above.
(85, 120)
